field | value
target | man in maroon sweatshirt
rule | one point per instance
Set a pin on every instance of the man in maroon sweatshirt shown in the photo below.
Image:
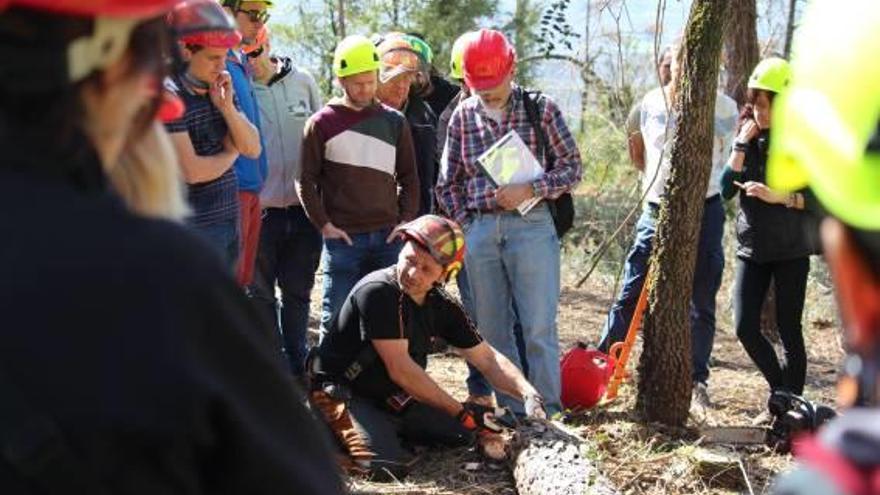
(358, 178)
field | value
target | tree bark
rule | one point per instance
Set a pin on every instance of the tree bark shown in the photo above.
(664, 387)
(740, 48)
(789, 27)
(549, 461)
(340, 13)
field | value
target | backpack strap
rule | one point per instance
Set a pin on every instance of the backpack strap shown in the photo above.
(32, 443)
(530, 103)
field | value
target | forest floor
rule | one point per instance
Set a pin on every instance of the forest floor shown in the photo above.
(640, 458)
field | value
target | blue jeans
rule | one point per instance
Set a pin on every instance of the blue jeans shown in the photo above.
(288, 254)
(707, 281)
(224, 237)
(476, 383)
(345, 265)
(514, 260)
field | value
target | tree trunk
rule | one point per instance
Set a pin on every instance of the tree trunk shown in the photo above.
(664, 389)
(789, 27)
(549, 461)
(741, 48)
(340, 16)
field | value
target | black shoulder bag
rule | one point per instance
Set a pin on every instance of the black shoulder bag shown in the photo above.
(561, 208)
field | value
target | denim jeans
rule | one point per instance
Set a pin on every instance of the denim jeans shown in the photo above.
(514, 260)
(345, 265)
(288, 254)
(707, 281)
(477, 384)
(224, 237)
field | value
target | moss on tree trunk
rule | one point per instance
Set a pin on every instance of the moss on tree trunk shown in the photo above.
(664, 388)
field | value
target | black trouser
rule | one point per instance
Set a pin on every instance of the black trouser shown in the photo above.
(790, 279)
(386, 433)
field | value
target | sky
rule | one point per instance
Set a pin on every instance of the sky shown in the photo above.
(637, 21)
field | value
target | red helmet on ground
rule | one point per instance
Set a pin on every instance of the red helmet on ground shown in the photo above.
(585, 375)
(203, 23)
(140, 9)
(488, 58)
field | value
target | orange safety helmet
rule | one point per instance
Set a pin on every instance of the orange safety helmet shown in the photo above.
(488, 58)
(259, 41)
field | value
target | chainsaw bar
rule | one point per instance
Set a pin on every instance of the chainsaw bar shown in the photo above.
(737, 435)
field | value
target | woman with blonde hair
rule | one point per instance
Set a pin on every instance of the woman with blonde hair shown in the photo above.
(128, 364)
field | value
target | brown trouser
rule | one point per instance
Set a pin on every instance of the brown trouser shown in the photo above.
(373, 437)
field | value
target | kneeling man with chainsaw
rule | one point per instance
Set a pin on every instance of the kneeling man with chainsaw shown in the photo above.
(368, 374)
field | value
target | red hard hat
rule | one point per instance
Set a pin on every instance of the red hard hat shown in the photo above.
(93, 8)
(204, 23)
(585, 375)
(487, 60)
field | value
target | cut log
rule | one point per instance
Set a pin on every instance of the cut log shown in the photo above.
(719, 468)
(547, 460)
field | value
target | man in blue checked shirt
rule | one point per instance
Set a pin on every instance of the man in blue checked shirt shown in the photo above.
(512, 259)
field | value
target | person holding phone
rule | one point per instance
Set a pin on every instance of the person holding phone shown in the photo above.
(772, 239)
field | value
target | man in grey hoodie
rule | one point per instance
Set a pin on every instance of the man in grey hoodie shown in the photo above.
(290, 246)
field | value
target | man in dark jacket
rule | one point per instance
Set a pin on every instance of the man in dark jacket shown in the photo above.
(400, 64)
(128, 360)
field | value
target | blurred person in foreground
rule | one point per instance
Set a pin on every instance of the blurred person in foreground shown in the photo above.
(826, 135)
(127, 363)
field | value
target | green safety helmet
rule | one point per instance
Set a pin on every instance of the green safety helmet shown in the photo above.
(421, 47)
(354, 55)
(771, 74)
(456, 61)
(826, 125)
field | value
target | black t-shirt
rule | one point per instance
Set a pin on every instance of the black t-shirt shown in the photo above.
(128, 333)
(377, 309)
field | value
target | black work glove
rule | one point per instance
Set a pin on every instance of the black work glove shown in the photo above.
(478, 418)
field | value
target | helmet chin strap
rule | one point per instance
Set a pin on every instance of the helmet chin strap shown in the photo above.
(105, 46)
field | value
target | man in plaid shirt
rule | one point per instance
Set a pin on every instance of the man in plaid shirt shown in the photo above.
(511, 258)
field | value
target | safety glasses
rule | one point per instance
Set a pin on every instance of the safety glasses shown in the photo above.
(256, 53)
(261, 16)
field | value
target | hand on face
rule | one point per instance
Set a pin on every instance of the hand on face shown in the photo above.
(222, 94)
(748, 131)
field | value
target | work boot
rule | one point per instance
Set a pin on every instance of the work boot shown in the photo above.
(700, 395)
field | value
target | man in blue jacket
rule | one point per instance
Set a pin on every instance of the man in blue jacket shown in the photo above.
(250, 18)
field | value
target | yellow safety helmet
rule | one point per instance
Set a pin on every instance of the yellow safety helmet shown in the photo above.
(826, 125)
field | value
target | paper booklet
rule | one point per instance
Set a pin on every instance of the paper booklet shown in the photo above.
(510, 161)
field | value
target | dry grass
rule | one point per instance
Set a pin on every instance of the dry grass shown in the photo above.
(639, 458)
